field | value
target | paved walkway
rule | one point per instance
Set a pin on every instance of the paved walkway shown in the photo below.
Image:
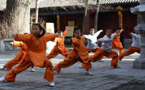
(74, 78)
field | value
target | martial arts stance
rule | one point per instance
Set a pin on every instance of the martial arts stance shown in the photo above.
(92, 46)
(106, 49)
(36, 54)
(59, 48)
(116, 43)
(135, 47)
(20, 56)
(78, 53)
(92, 39)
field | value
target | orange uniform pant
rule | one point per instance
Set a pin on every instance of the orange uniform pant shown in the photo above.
(14, 61)
(92, 50)
(120, 48)
(70, 60)
(11, 75)
(55, 52)
(100, 53)
(129, 51)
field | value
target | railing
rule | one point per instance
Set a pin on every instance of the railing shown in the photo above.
(5, 46)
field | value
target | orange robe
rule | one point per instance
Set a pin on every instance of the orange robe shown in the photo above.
(78, 53)
(129, 51)
(92, 50)
(59, 48)
(36, 55)
(20, 56)
(100, 53)
(116, 43)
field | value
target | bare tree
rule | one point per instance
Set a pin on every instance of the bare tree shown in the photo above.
(17, 18)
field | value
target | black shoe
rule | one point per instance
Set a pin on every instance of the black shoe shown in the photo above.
(116, 67)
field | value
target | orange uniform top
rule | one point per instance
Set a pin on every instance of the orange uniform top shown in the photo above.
(21, 54)
(20, 44)
(60, 42)
(79, 49)
(36, 47)
(116, 41)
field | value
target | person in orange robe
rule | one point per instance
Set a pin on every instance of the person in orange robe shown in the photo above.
(59, 48)
(106, 49)
(78, 53)
(116, 43)
(18, 57)
(21, 54)
(135, 47)
(35, 55)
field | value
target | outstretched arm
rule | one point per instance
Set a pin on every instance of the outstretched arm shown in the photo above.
(121, 31)
(98, 33)
(65, 32)
(87, 36)
(114, 35)
(22, 37)
(133, 35)
(50, 37)
(17, 43)
(104, 40)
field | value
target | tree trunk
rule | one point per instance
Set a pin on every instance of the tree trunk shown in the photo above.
(96, 15)
(17, 17)
(36, 11)
(85, 15)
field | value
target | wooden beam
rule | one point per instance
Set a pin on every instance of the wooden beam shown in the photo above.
(60, 13)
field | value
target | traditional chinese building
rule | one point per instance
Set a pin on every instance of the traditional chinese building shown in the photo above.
(71, 12)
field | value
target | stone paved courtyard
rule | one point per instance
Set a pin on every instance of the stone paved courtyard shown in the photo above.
(74, 78)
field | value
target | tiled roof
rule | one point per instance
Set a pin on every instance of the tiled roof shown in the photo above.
(61, 3)
(117, 1)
